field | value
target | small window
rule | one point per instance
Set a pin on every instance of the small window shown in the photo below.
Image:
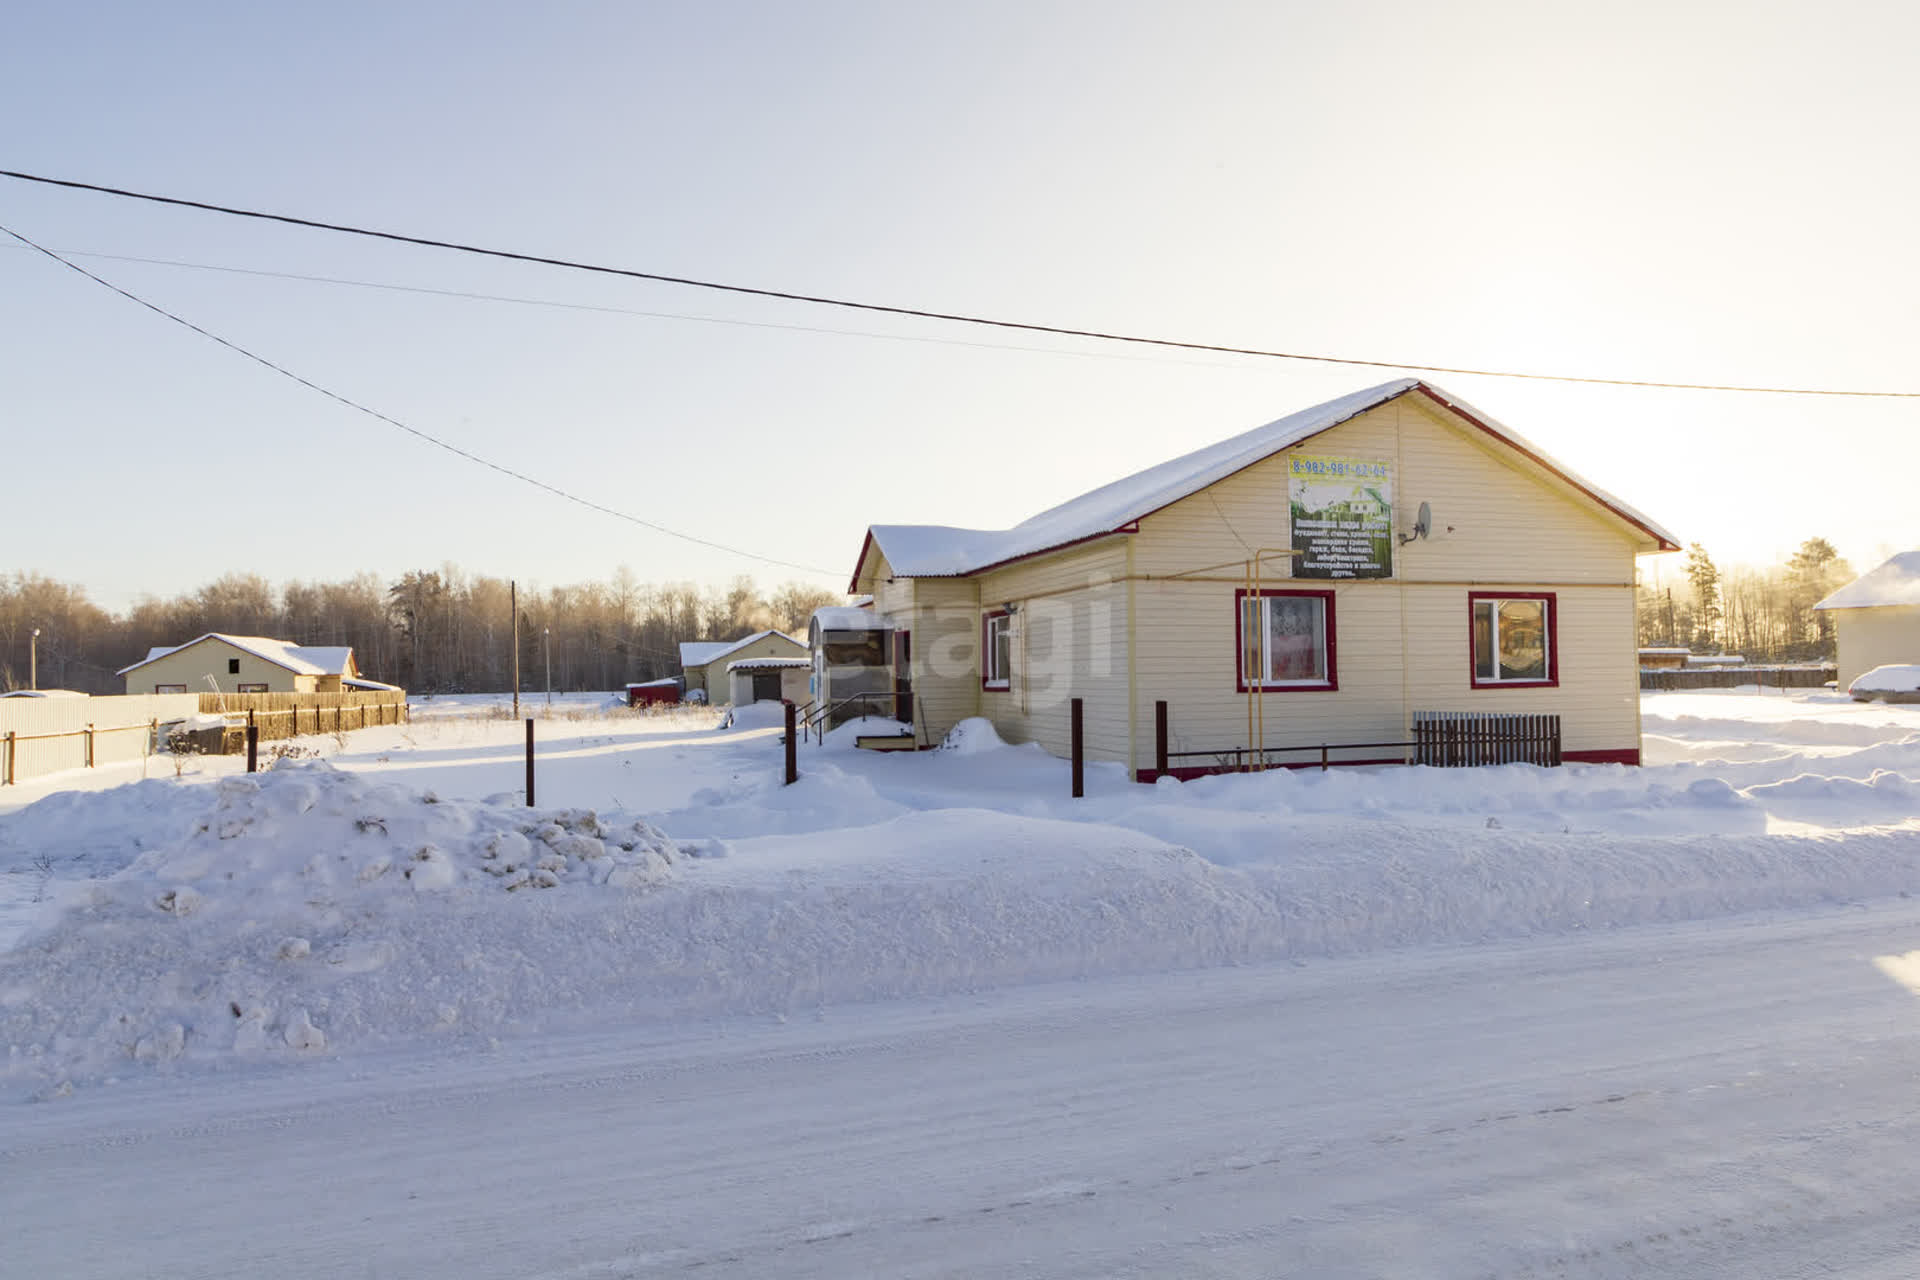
(1286, 640)
(251, 688)
(233, 666)
(996, 660)
(1513, 640)
(169, 688)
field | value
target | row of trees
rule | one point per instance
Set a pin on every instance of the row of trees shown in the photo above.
(432, 631)
(1764, 614)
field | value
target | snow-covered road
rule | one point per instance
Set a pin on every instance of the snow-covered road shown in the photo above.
(1729, 1098)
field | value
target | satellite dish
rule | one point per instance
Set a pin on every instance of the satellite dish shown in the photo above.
(1422, 525)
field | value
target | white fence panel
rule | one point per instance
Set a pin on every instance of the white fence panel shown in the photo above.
(52, 734)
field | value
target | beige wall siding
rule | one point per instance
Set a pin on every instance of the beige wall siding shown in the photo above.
(1869, 638)
(1185, 646)
(714, 674)
(1069, 640)
(944, 618)
(209, 657)
(1498, 518)
(120, 729)
(1403, 644)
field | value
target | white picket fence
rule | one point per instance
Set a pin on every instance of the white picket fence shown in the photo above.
(39, 736)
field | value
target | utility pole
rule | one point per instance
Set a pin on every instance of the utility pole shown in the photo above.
(546, 637)
(513, 607)
(33, 659)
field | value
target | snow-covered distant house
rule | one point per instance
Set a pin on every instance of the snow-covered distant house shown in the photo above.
(1876, 617)
(247, 664)
(1320, 580)
(703, 663)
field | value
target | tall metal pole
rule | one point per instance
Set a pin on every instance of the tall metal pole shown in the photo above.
(33, 660)
(513, 607)
(546, 636)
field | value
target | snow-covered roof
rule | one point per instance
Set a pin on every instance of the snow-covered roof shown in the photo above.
(367, 686)
(302, 660)
(849, 617)
(937, 551)
(1896, 582)
(653, 684)
(700, 653)
(768, 664)
(44, 693)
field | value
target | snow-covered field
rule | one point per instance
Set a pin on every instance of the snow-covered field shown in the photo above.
(679, 1014)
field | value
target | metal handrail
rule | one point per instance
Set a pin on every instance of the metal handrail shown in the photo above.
(826, 712)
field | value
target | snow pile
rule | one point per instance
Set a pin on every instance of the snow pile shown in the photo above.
(307, 904)
(1894, 682)
(972, 736)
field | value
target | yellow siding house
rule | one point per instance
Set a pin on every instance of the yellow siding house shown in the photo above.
(1314, 582)
(246, 664)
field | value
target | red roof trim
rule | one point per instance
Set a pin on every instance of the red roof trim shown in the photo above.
(853, 587)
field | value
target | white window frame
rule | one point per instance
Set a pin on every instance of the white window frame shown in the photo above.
(1257, 606)
(1549, 637)
(995, 674)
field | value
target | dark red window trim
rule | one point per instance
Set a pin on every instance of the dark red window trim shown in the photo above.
(1552, 599)
(1332, 682)
(987, 683)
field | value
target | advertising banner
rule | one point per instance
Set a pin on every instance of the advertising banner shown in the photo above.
(1342, 517)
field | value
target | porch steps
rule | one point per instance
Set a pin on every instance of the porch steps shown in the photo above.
(886, 742)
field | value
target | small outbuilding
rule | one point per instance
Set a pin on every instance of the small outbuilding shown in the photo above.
(1876, 618)
(752, 680)
(654, 693)
(703, 663)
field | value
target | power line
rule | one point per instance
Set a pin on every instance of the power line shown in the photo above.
(921, 314)
(414, 431)
(626, 311)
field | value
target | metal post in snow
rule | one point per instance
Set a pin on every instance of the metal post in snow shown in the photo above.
(529, 762)
(253, 744)
(1079, 754)
(1160, 739)
(792, 744)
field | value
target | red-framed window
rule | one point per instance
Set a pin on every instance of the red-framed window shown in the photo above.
(169, 688)
(1515, 639)
(1286, 640)
(251, 688)
(996, 650)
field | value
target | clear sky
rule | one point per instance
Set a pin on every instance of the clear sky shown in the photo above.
(1700, 192)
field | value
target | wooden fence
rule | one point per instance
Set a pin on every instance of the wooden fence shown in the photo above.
(288, 715)
(1734, 677)
(1464, 738)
